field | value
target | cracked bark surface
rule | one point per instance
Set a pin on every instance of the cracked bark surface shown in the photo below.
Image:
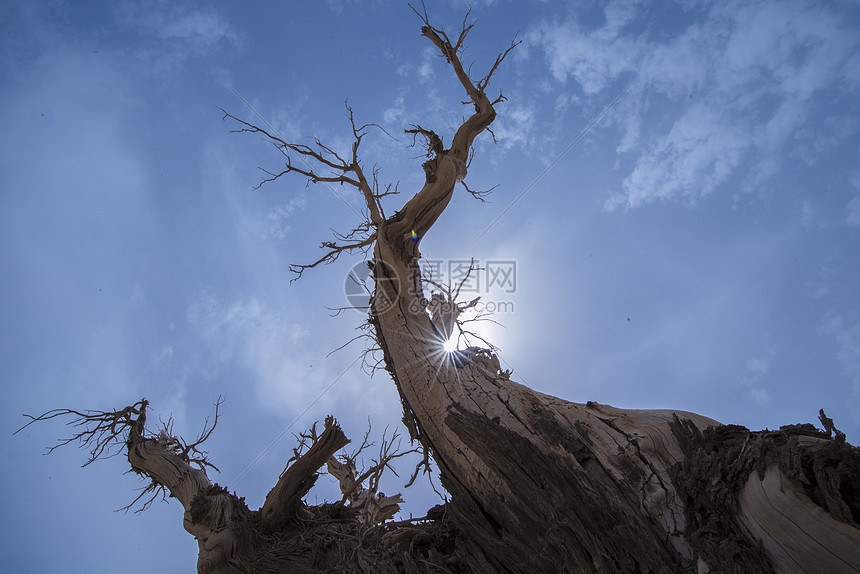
(540, 484)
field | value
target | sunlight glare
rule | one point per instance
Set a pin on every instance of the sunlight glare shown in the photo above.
(450, 345)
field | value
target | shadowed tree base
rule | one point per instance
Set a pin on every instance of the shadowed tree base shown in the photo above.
(598, 489)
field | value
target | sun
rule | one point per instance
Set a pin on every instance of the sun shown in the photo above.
(450, 345)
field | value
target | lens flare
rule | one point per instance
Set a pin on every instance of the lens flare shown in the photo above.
(450, 345)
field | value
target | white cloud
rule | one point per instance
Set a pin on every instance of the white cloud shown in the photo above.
(171, 34)
(740, 80)
(224, 326)
(397, 111)
(852, 209)
(592, 60)
(199, 30)
(632, 124)
(165, 356)
(274, 352)
(690, 162)
(760, 396)
(755, 374)
(755, 371)
(338, 6)
(515, 126)
(425, 72)
(847, 338)
(278, 217)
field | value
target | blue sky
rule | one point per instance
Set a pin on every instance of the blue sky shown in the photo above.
(696, 250)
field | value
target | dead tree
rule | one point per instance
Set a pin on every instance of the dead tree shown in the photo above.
(537, 483)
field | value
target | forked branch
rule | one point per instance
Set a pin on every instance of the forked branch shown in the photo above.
(168, 461)
(320, 163)
(484, 112)
(362, 490)
(297, 479)
(103, 432)
(333, 250)
(446, 167)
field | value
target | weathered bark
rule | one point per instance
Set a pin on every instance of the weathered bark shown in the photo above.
(545, 485)
(538, 484)
(231, 538)
(280, 506)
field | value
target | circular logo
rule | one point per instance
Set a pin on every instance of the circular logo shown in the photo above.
(362, 289)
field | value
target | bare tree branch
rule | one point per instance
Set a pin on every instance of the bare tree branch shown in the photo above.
(433, 141)
(297, 479)
(333, 252)
(168, 461)
(373, 506)
(479, 194)
(336, 170)
(484, 112)
(103, 431)
(154, 489)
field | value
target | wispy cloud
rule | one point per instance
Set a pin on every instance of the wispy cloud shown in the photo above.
(272, 350)
(199, 30)
(278, 217)
(846, 335)
(852, 209)
(689, 162)
(396, 111)
(721, 99)
(169, 34)
(515, 126)
(754, 375)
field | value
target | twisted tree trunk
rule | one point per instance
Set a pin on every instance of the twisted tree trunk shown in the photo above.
(540, 484)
